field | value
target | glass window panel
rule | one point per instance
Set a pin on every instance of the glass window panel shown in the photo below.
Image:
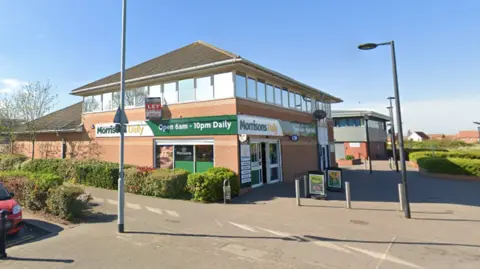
(241, 85)
(87, 104)
(223, 85)
(298, 101)
(309, 106)
(292, 99)
(170, 93)
(183, 153)
(140, 94)
(96, 104)
(273, 151)
(115, 100)
(130, 98)
(155, 91)
(186, 90)
(252, 89)
(278, 96)
(164, 156)
(270, 94)
(285, 98)
(304, 103)
(204, 89)
(260, 91)
(204, 153)
(107, 101)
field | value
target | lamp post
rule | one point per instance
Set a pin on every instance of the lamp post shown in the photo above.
(392, 130)
(366, 117)
(478, 128)
(121, 194)
(369, 46)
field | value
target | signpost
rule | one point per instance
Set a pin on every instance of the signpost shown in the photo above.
(153, 108)
(316, 180)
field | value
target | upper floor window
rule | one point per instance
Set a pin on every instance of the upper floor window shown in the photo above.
(298, 101)
(291, 96)
(270, 94)
(155, 91)
(223, 85)
(140, 94)
(107, 101)
(309, 106)
(241, 85)
(170, 94)
(251, 88)
(261, 91)
(186, 90)
(285, 98)
(278, 96)
(204, 89)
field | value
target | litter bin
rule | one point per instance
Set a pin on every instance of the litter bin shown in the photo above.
(334, 179)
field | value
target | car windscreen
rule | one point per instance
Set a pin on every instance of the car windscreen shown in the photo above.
(4, 194)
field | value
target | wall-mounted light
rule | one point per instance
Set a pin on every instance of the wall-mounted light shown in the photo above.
(93, 126)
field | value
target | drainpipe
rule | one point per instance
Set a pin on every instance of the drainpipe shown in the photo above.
(63, 144)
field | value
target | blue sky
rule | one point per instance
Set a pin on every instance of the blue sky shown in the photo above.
(75, 42)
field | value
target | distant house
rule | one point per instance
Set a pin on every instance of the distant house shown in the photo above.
(437, 136)
(468, 136)
(417, 136)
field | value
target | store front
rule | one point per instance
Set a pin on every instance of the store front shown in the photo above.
(193, 155)
(265, 162)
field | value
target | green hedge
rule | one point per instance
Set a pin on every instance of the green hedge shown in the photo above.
(11, 161)
(445, 154)
(97, 174)
(65, 202)
(65, 168)
(208, 186)
(453, 166)
(165, 183)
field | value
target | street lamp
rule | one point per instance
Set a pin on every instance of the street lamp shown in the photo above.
(392, 130)
(478, 128)
(366, 117)
(369, 46)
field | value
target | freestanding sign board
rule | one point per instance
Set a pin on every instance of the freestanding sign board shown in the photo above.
(153, 108)
(334, 179)
(316, 180)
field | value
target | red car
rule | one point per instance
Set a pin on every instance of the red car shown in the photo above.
(14, 217)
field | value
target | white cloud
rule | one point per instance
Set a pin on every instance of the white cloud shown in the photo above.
(8, 85)
(444, 116)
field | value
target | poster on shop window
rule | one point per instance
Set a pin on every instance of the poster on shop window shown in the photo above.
(245, 164)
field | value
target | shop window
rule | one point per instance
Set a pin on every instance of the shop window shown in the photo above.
(298, 101)
(186, 90)
(155, 91)
(309, 106)
(203, 157)
(170, 95)
(241, 85)
(291, 96)
(204, 89)
(278, 96)
(164, 156)
(270, 94)
(251, 89)
(184, 157)
(285, 98)
(261, 91)
(107, 101)
(140, 94)
(223, 85)
(130, 98)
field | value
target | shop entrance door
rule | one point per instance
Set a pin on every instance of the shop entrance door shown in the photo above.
(273, 162)
(256, 159)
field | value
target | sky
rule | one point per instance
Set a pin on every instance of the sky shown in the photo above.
(71, 43)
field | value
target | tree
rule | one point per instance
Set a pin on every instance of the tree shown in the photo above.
(27, 104)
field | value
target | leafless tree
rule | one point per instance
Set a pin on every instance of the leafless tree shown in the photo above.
(26, 105)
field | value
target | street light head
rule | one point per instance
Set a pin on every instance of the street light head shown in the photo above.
(367, 46)
(391, 98)
(477, 122)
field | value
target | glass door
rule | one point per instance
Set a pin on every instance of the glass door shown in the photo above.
(256, 164)
(273, 162)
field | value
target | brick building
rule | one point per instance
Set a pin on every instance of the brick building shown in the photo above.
(350, 134)
(210, 97)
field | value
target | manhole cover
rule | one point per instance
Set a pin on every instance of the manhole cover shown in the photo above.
(361, 222)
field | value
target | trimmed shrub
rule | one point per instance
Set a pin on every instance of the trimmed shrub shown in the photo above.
(65, 202)
(42, 165)
(165, 183)
(97, 174)
(208, 186)
(11, 161)
(134, 181)
(445, 154)
(349, 157)
(453, 166)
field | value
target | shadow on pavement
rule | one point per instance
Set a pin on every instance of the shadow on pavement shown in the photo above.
(212, 235)
(39, 260)
(33, 230)
(380, 186)
(459, 220)
(97, 217)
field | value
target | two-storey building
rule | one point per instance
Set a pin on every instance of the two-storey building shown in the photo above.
(350, 134)
(211, 98)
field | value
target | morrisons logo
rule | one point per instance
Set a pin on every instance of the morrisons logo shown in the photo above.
(106, 130)
(253, 126)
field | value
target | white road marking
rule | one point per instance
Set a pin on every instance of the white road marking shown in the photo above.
(154, 210)
(274, 232)
(379, 255)
(245, 227)
(97, 200)
(386, 251)
(112, 202)
(218, 223)
(133, 206)
(172, 213)
(331, 245)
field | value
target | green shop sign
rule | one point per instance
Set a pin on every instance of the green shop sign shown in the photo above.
(215, 125)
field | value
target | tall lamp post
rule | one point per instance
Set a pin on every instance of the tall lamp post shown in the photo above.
(392, 130)
(478, 128)
(369, 46)
(366, 118)
(121, 194)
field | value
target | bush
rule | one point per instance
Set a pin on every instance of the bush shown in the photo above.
(11, 161)
(444, 154)
(97, 174)
(350, 157)
(208, 186)
(453, 166)
(165, 183)
(65, 202)
(134, 181)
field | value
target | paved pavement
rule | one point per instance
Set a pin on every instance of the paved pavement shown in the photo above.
(265, 229)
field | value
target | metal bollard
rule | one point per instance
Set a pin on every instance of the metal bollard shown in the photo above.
(400, 195)
(365, 164)
(3, 234)
(297, 191)
(347, 194)
(305, 186)
(227, 191)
